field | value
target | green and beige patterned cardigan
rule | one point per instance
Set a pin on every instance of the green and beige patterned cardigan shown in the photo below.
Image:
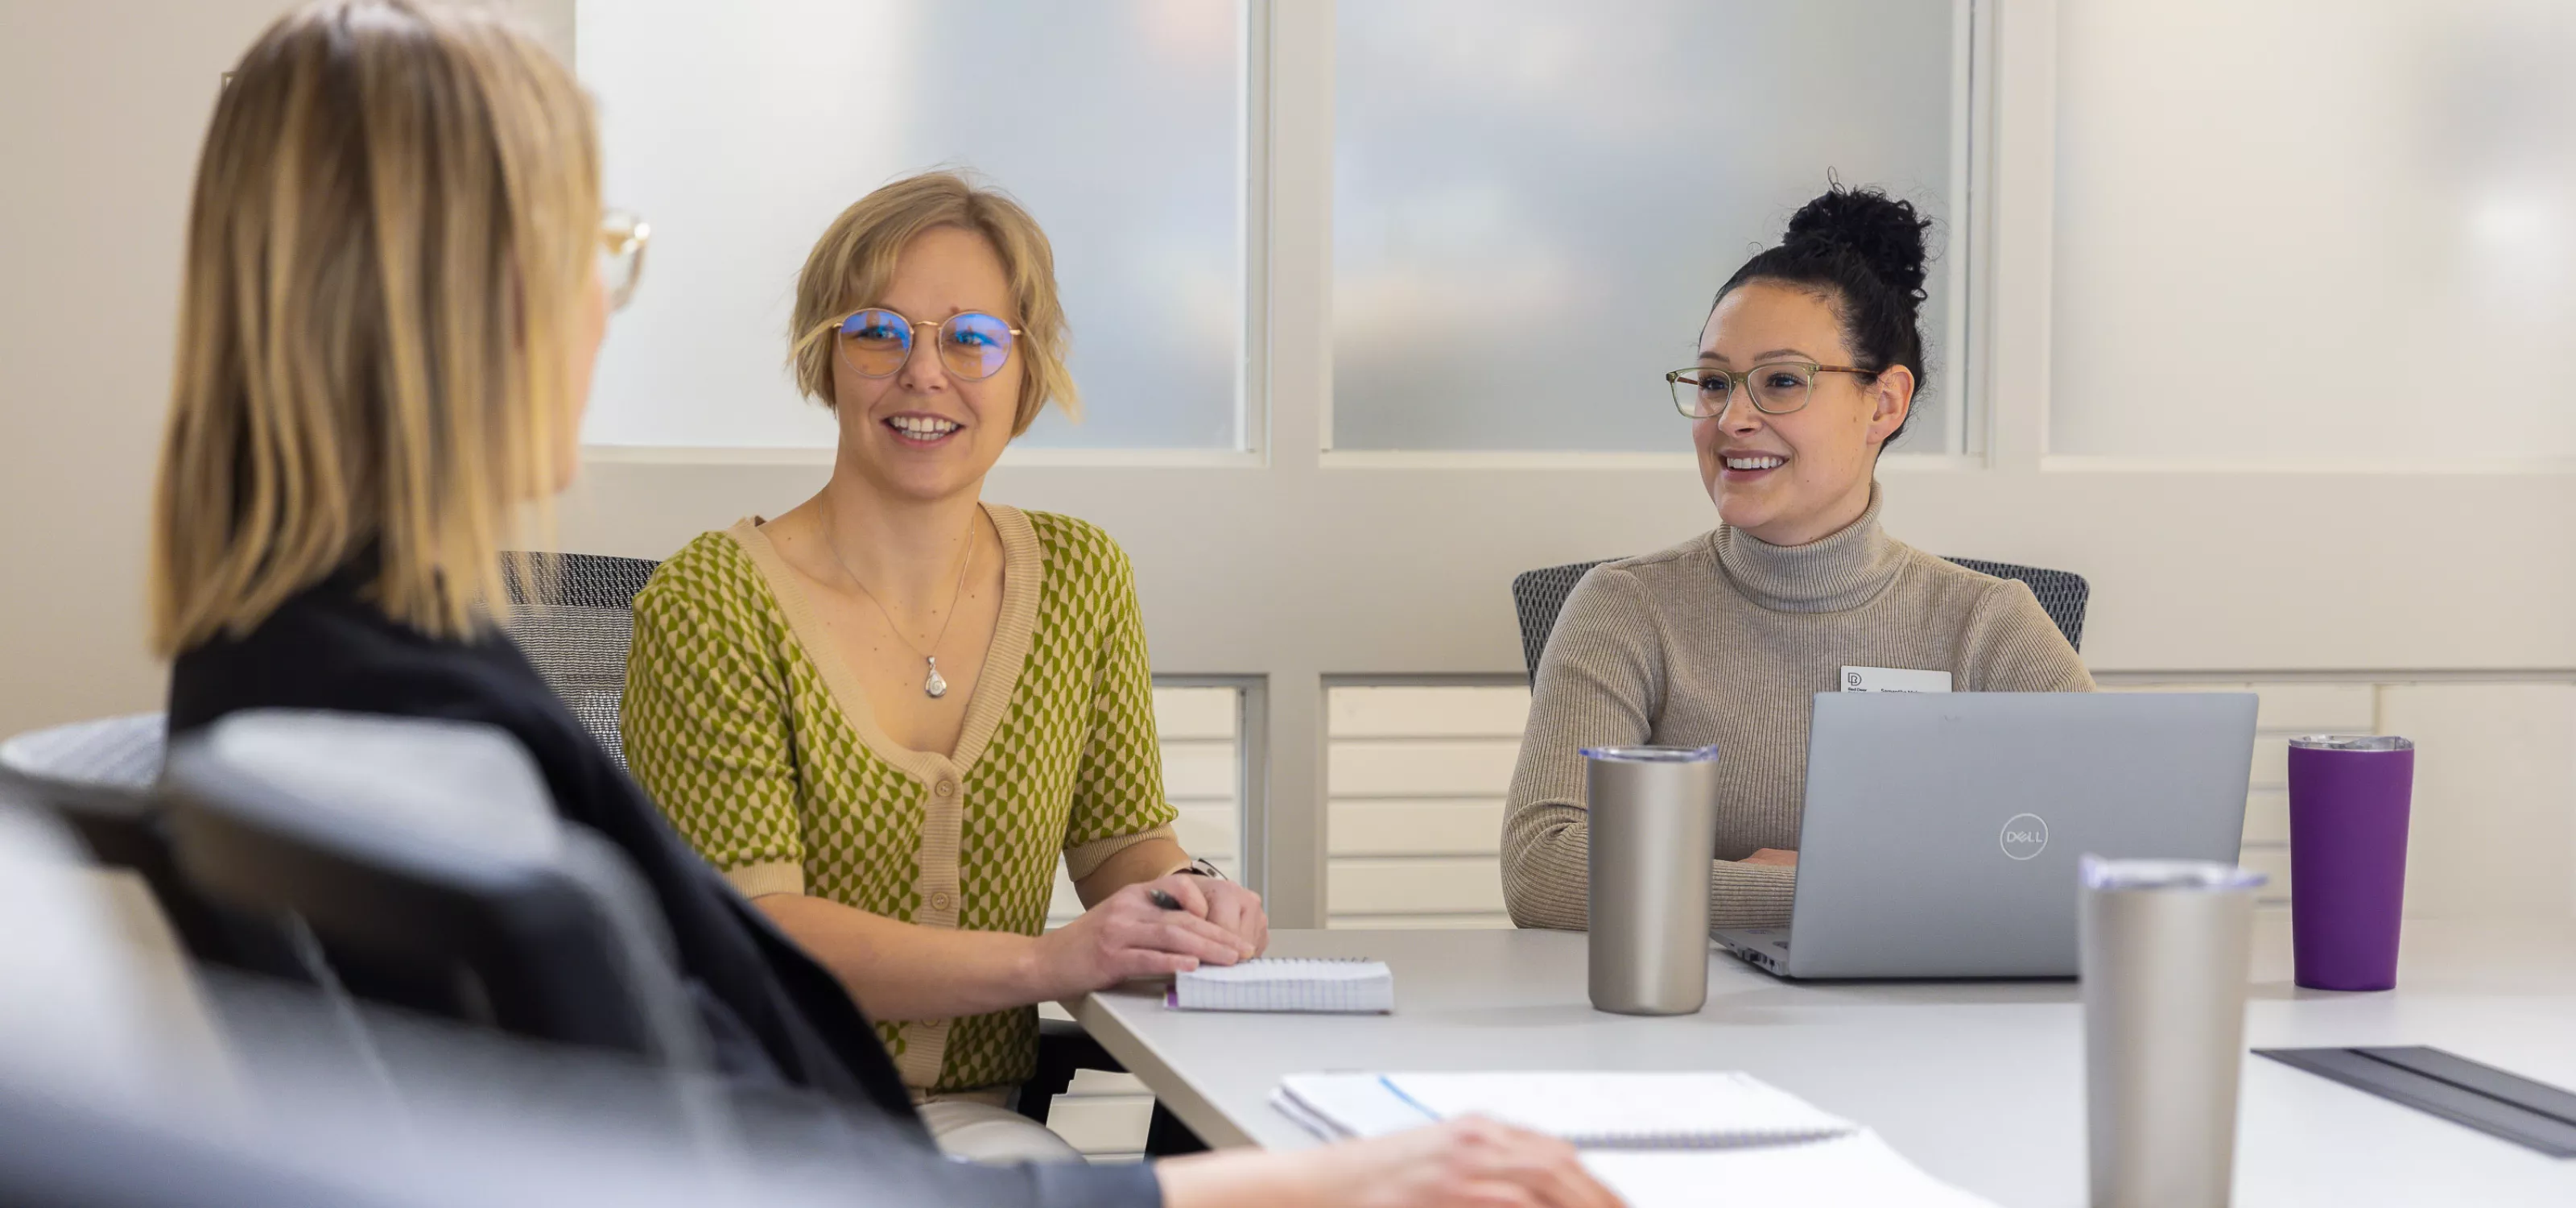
(759, 744)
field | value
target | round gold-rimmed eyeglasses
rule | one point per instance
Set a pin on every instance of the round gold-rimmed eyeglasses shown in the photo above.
(875, 342)
(622, 237)
(1776, 387)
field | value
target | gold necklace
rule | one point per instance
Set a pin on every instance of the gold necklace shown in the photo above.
(935, 685)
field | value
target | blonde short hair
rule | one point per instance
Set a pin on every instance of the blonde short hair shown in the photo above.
(851, 264)
(396, 214)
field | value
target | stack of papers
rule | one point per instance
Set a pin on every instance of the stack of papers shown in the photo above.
(1656, 1139)
(1287, 984)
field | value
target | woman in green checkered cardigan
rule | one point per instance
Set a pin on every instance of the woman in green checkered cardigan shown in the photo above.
(886, 712)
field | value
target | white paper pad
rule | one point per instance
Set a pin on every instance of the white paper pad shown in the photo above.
(1857, 1170)
(1287, 984)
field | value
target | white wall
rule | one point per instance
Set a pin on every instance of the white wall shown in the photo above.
(101, 109)
(102, 106)
(2494, 829)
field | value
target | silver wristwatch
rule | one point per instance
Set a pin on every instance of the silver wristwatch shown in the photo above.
(1198, 868)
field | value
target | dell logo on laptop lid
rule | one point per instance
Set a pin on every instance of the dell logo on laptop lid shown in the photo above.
(2024, 836)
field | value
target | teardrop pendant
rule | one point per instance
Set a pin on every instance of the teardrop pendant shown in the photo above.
(936, 686)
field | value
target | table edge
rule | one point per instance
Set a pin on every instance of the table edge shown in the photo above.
(1174, 1091)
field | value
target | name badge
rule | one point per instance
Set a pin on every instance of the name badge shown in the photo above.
(1894, 679)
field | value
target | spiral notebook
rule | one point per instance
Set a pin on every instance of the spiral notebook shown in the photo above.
(1348, 987)
(1603, 1110)
(1658, 1140)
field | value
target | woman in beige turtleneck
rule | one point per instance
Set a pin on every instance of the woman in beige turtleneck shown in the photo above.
(1808, 366)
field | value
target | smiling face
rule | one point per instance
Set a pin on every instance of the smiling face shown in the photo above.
(1800, 477)
(925, 433)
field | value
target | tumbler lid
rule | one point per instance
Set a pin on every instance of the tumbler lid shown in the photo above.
(2353, 742)
(1651, 754)
(2166, 874)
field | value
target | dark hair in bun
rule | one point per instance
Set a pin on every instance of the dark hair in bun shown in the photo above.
(1864, 250)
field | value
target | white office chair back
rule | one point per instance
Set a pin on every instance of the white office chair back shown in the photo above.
(83, 1013)
(462, 786)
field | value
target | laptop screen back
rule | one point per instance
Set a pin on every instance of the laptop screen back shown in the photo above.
(1942, 829)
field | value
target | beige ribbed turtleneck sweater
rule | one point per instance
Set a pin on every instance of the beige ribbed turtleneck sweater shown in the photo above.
(1724, 639)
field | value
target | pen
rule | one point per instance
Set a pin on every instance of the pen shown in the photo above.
(1163, 899)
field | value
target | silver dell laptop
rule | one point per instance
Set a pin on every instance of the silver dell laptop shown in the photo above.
(1942, 829)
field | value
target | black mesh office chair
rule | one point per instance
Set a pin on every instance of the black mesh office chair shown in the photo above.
(428, 855)
(1538, 595)
(575, 616)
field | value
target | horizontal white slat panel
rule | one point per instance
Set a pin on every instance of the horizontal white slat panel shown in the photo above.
(1198, 769)
(2273, 861)
(1431, 885)
(1196, 712)
(1417, 768)
(1212, 831)
(2178, 686)
(1414, 922)
(2267, 816)
(1369, 827)
(2318, 708)
(1428, 712)
(2271, 762)
(1415, 781)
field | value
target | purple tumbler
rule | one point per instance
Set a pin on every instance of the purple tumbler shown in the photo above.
(2348, 808)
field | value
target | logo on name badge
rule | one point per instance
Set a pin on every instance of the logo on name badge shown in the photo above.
(2025, 836)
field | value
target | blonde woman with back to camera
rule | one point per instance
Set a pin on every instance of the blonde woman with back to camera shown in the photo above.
(398, 275)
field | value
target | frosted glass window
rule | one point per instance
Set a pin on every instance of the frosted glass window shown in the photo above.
(740, 130)
(2290, 230)
(1535, 201)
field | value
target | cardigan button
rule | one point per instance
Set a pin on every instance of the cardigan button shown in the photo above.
(945, 788)
(940, 900)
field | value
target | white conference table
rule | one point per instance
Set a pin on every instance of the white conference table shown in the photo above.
(1979, 1083)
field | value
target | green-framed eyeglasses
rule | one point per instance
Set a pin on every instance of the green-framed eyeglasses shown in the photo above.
(1776, 387)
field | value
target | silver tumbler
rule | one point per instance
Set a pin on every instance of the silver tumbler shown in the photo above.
(1653, 834)
(2166, 945)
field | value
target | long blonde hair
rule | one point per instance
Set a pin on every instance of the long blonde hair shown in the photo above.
(395, 215)
(851, 264)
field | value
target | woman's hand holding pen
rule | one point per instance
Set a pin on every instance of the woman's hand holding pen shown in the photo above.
(1146, 930)
(1236, 909)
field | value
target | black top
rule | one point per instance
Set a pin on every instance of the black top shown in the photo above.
(773, 1015)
